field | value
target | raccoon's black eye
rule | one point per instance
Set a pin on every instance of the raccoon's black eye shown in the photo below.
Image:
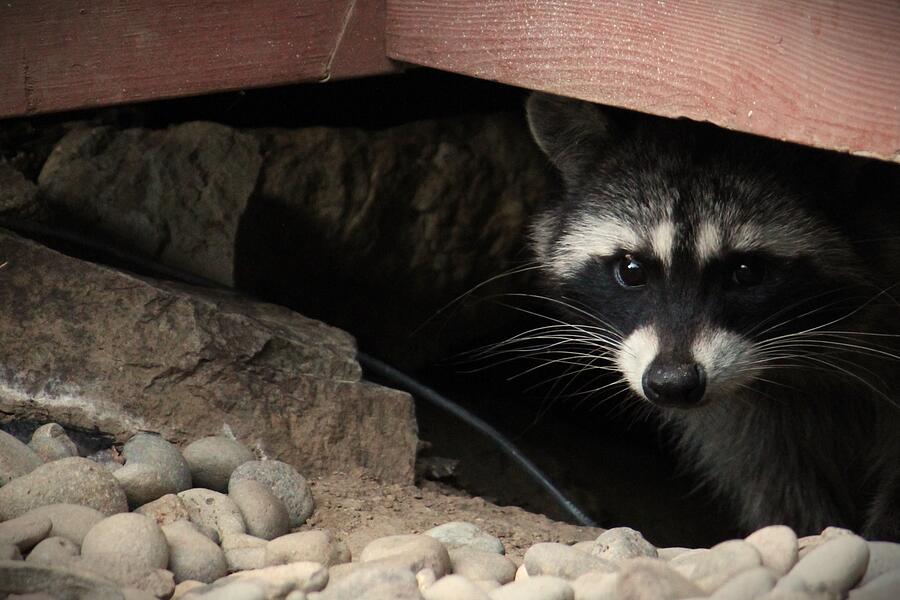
(747, 273)
(629, 272)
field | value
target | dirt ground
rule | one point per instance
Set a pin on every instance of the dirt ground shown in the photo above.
(358, 510)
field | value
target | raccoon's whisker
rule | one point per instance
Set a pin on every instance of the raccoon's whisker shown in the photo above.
(789, 307)
(863, 381)
(863, 333)
(808, 313)
(565, 304)
(562, 331)
(609, 328)
(867, 303)
(568, 374)
(547, 344)
(793, 388)
(523, 268)
(573, 359)
(536, 352)
(587, 394)
(740, 398)
(851, 348)
(571, 376)
(831, 358)
(823, 325)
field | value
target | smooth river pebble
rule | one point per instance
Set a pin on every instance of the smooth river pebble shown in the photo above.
(834, 567)
(152, 449)
(649, 578)
(50, 442)
(54, 551)
(620, 543)
(748, 585)
(213, 509)
(213, 459)
(777, 546)
(128, 534)
(143, 483)
(265, 515)
(282, 579)
(374, 583)
(459, 533)
(192, 555)
(478, 564)
(540, 587)
(311, 546)
(563, 561)
(243, 552)
(454, 587)
(72, 480)
(418, 551)
(70, 521)
(284, 481)
(883, 557)
(25, 531)
(16, 458)
(709, 569)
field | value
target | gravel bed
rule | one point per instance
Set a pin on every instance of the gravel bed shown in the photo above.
(77, 528)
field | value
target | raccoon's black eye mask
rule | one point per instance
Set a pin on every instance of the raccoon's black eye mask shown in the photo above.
(738, 270)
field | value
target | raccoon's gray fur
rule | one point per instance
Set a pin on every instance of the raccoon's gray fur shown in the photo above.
(749, 290)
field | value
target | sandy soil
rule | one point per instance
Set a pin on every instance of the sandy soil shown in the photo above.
(359, 509)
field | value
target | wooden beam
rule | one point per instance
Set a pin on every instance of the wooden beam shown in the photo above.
(825, 74)
(61, 54)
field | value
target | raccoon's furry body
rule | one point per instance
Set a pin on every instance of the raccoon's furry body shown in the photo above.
(749, 291)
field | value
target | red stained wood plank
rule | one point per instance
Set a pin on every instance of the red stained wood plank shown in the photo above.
(825, 74)
(62, 54)
(360, 49)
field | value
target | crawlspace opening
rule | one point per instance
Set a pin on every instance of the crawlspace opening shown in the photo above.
(395, 208)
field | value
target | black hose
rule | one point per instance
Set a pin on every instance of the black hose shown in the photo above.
(404, 382)
(393, 376)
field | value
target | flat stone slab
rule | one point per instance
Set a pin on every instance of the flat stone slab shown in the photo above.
(93, 348)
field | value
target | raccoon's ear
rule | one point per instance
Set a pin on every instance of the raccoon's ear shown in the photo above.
(570, 132)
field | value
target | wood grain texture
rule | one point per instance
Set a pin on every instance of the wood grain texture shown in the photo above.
(825, 74)
(360, 49)
(62, 54)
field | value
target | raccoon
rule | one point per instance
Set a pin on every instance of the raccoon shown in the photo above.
(745, 289)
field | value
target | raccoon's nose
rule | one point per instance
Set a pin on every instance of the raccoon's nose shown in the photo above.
(674, 385)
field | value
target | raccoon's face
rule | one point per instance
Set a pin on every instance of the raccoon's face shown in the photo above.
(695, 260)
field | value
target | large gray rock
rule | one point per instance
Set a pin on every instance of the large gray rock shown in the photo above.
(158, 192)
(460, 190)
(96, 349)
(301, 216)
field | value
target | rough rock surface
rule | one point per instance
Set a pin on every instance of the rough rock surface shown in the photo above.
(92, 348)
(158, 191)
(231, 205)
(462, 189)
(18, 196)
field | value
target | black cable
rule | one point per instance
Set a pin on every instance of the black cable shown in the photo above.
(404, 382)
(393, 376)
